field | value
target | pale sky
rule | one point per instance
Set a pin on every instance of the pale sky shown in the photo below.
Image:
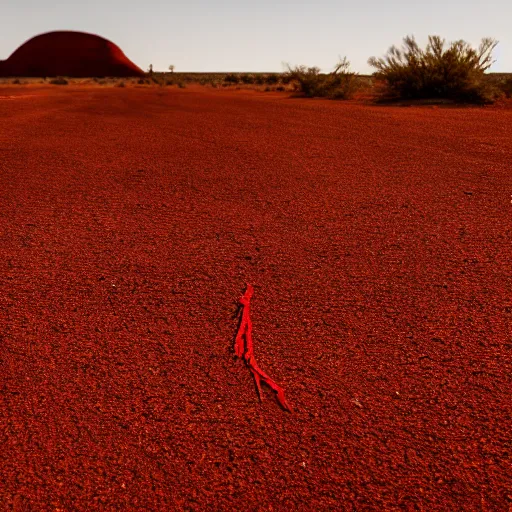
(260, 35)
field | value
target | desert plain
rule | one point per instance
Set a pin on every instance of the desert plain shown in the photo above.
(378, 243)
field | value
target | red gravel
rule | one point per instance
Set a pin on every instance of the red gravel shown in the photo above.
(378, 243)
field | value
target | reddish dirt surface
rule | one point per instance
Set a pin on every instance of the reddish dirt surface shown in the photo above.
(68, 53)
(378, 243)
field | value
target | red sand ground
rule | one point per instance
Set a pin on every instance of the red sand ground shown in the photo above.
(377, 240)
(68, 53)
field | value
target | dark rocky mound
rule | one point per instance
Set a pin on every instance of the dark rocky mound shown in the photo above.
(67, 53)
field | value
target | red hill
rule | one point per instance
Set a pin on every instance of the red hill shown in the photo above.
(67, 53)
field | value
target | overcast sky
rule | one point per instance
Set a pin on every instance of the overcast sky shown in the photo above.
(259, 35)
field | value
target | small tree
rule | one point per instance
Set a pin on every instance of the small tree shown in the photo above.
(454, 72)
(171, 68)
(150, 70)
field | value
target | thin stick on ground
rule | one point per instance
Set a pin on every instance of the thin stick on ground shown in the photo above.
(244, 350)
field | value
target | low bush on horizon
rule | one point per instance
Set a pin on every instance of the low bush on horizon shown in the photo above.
(456, 72)
(232, 78)
(340, 84)
(247, 78)
(157, 80)
(272, 79)
(59, 81)
(253, 78)
(505, 86)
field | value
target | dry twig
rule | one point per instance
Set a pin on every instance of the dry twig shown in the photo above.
(244, 350)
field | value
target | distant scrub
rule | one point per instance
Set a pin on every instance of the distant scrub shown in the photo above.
(232, 78)
(506, 87)
(340, 84)
(247, 78)
(455, 72)
(286, 78)
(59, 81)
(155, 79)
(272, 79)
(256, 78)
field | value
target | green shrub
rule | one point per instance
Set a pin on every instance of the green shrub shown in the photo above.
(455, 72)
(340, 84)
(59, 81)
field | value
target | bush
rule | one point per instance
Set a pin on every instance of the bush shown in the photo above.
(247, 79)
(456, 72)
(232, 78)
(272, 79)
(340, 84)
(156, 80)
(120, 84)
(506, 87)
(59, 81)
(286, 78)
